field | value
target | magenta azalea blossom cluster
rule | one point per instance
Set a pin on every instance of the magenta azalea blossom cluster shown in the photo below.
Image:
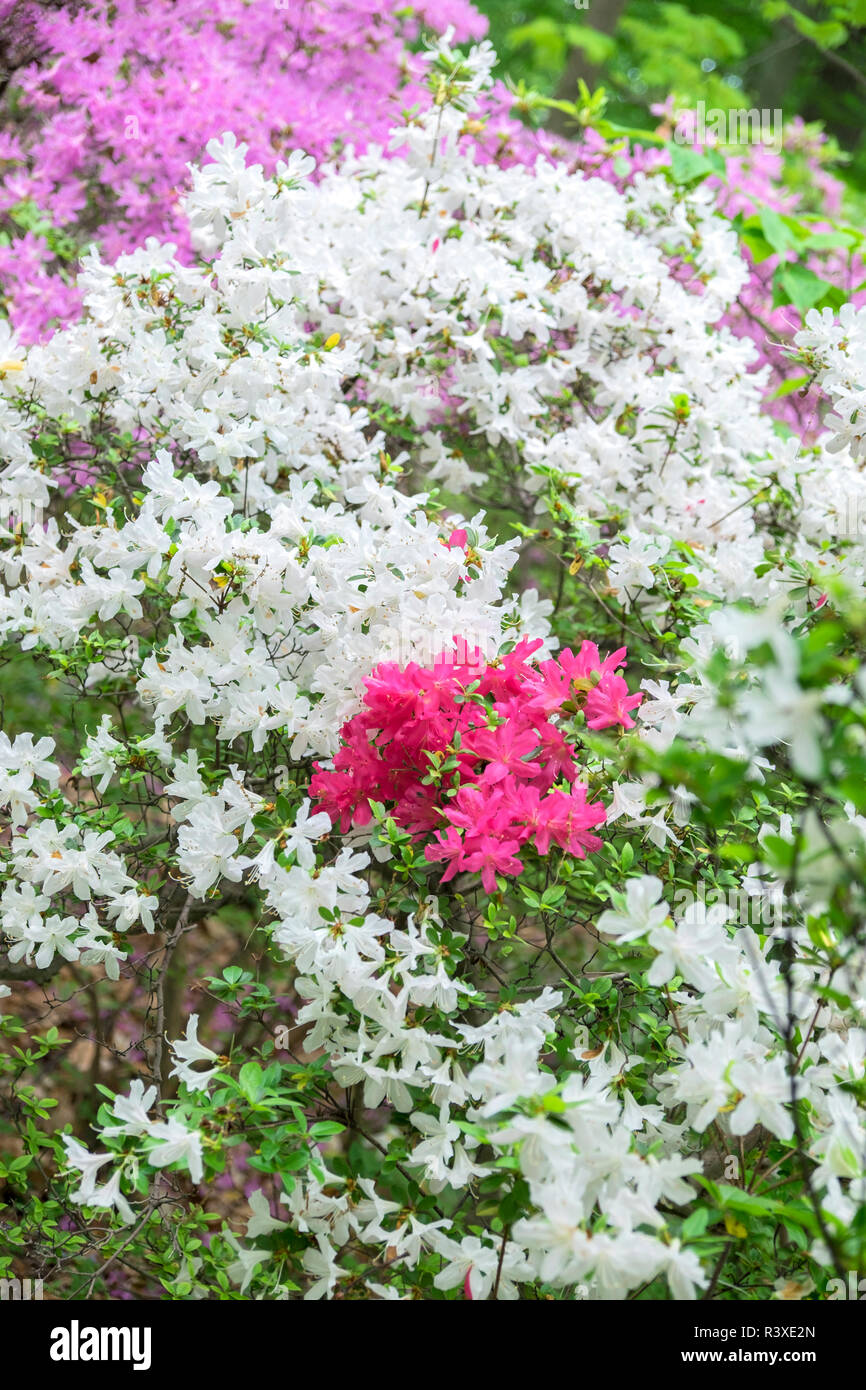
(468, 750)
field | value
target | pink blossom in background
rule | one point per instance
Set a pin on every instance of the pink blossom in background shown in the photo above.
(114, 100)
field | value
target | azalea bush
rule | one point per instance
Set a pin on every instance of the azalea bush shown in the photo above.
(108, 104)
(432, 759)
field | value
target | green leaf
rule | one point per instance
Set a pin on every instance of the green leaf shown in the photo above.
(796, 284)
(323, 1129)
(687, 165)
(795, 383)
(829, 241)
(250, 1081)
(740, 853)
(293, 1163)
(777, 233)
(749, 1202)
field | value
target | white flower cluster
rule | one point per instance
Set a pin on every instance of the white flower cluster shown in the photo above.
(291, 613)
(67, 862)
(835, 347)
(541, 316)
(21, 762)
(175, 1143)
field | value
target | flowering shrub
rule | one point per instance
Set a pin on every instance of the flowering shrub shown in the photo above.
(113, 101)
(578, 384)
(395, 944)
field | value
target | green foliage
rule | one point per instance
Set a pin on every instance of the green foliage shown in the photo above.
(727, 55)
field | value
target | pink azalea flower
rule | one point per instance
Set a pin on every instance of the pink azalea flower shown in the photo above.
(477, 793)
